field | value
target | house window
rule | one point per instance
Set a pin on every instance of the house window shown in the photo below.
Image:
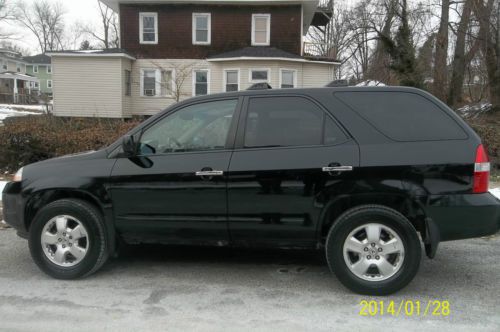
(49, 69)
(18, 67)
(49, 84)
(261, 29)
(259, 75)
(167, 80)
(201, 29)
(148, 83)
(148, 26)
(288, 78)
(157, 83)
(35, 69)
(128, 83)
(35, 85)
(4, 65)
(231, 80)
(200, 82)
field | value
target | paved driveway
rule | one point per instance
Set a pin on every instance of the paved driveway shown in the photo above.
(152, 288)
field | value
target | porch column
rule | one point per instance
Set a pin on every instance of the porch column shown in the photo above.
(15, 91)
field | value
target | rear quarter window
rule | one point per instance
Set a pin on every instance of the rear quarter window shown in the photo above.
(403, 116)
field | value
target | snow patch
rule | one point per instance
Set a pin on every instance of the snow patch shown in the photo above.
(6, 112)
(2, 185)
(474, 110)
(370, 83)
(495, 192)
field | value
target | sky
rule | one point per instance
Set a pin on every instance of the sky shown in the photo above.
(84, 11)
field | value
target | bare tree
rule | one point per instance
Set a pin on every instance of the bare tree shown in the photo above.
(459, 58)
(6, 15)
(440, 64)
(487, 15)
(180, 72)
(45, 20)
(108, 34)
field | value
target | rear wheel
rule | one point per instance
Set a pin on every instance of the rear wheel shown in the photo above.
(373, 250)
(68, 240)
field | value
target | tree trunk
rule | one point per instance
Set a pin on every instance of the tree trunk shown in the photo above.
(440, 68)
(490, 39)
(459, 59)
(379, 69)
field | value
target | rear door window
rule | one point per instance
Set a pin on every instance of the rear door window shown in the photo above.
(403, 116)
(288, 121)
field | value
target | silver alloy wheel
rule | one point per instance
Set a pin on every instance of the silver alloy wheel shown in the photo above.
(373, 252)
(65, 240)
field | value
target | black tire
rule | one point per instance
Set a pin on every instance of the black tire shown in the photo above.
(91, 218)
(366, 214)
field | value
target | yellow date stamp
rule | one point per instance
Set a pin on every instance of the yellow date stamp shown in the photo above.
(409, 308)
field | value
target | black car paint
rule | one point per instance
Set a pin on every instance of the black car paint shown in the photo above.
(271, 196)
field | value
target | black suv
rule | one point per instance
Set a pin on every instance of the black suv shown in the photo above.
(358, 172)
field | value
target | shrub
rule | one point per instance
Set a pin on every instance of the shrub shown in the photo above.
(24, 140)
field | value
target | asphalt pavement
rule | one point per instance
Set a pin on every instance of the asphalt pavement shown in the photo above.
(162, 288)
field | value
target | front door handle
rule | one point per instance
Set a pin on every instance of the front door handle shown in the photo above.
(331, 169)
(209, 173)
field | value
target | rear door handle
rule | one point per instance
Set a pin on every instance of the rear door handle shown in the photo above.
(209, 173)
(330, 169)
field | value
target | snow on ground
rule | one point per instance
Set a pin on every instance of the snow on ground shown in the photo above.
(2, 184)
(474, 110)
(371, 83)
(40, 108)
(496, 192)
(20, 110)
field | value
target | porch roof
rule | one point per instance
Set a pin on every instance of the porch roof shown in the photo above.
(14, 75)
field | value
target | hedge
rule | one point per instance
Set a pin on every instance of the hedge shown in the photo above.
(24, 140)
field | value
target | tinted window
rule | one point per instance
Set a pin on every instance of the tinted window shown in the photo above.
(403, 116)
(287, 121)
(198, 127)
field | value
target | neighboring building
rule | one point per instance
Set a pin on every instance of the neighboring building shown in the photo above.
(40, 66)
(175, 49)
(15, 84)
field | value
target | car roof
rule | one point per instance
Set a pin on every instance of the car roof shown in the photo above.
(306, 91)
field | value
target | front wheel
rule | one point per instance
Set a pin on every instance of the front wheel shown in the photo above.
(68, 240)
(373, 250)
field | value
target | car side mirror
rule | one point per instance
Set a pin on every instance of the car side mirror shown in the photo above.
(129, 146)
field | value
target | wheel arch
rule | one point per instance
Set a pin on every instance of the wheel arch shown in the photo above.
(41, 198)
(411, 208)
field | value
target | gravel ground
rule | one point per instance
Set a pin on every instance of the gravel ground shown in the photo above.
(151, 288)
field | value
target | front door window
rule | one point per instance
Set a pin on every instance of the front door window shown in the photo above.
(200, 127)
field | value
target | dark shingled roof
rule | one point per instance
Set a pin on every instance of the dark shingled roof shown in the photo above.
(38, 59)
(256, 52)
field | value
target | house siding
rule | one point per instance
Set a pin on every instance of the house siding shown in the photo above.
(88, 87)
(43, 75)
(152, 105)
(308, 75)
(175, 29)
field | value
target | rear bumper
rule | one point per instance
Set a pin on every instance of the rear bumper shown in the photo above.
(464, 216)
(13, 208)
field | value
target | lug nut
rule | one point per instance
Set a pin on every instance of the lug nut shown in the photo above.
(64, 233)
(377, 257)
(64, 246)
(366, 248)
(71, 244)
(70, 237)
(59, 239)
(379, 249)
(369, 257)
(373, 244)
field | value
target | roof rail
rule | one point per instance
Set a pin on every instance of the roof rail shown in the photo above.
(260, 86)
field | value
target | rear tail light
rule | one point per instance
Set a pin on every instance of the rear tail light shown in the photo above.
(481, 171)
